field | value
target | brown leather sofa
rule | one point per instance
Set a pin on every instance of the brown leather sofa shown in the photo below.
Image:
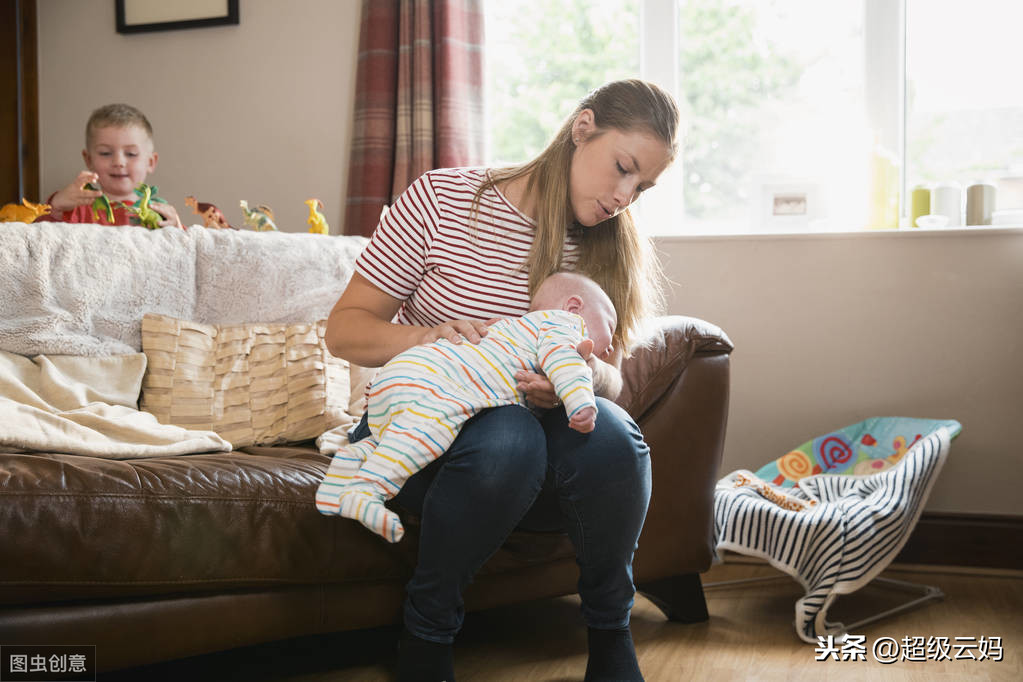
(154, 559)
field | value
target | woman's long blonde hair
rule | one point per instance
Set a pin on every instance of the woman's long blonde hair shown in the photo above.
(612, 253)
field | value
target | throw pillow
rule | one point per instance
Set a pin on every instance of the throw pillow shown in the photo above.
(253, 384)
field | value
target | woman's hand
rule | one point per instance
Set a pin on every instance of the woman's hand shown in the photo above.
(360, 327)
(454, 331)
(538, 388)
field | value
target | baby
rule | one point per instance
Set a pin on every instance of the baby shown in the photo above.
(419, 400)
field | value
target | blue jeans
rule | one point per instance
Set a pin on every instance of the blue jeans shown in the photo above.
(510, 469)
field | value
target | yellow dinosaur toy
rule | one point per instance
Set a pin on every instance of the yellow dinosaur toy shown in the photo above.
(25, 212)
(260, 218)
(317, 221)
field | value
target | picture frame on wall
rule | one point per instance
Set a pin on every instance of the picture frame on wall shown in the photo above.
(787, 206)
(141, 16)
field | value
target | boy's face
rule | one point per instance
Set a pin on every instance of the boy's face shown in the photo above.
(122, 157)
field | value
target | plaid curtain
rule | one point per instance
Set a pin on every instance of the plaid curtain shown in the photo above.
(418, 100)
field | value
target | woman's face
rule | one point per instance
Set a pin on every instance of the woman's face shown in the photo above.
(611, 168)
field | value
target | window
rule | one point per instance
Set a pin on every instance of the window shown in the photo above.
(964, 97)
(542, 58)
(793, 109)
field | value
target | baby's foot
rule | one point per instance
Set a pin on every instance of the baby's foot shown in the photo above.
(328, 494)
(363, 505)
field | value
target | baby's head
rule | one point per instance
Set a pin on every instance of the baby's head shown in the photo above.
(579, 294)
(119, 149)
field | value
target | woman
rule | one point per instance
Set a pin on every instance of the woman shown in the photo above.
(462, 246)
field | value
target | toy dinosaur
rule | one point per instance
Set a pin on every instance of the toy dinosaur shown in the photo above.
(100, 203)
(260, 218)
(317, 221)
(212, 216)
(146, 216)
(25, 212)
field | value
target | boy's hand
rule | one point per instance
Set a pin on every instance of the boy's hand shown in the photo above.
(169, 214)
(75, 194)
(584, 420)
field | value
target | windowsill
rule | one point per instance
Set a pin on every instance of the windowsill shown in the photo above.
(910, 232)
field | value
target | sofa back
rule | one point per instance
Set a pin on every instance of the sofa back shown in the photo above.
(83, 289)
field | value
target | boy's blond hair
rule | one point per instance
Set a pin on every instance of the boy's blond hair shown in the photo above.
(118, 116)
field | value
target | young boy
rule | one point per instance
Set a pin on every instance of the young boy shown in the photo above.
(422, 397)
(118, 155)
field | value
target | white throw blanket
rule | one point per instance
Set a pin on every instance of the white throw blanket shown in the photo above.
(86, 406)
(83, 289)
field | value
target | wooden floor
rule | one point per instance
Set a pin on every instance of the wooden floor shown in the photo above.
(750, 636)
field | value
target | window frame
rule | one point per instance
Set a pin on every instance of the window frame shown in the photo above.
(885, 75)
(885, 107)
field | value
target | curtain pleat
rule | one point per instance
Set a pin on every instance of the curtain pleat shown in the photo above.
(418, 102)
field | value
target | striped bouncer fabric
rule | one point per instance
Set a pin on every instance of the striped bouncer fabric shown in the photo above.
(836, 530)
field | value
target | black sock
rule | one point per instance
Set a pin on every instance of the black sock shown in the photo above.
(420, 660)
(612, 657)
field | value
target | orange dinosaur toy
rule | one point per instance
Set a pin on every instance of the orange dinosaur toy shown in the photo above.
(25, 212)
(212, 216)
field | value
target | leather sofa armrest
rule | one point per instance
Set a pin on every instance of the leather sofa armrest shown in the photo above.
(662, 355)
(676, 387)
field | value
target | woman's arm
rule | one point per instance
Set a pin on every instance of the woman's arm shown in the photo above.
(360, 330)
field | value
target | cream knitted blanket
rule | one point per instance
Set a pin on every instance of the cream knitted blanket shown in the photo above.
(86, 406)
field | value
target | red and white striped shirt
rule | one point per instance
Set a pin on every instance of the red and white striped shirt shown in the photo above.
(446, 265)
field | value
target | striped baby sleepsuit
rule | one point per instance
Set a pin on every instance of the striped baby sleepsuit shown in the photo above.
(419, 401)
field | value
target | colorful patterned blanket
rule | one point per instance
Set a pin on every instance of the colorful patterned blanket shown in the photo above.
(834, 512)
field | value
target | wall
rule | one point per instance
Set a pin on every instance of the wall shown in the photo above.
(259, 111)
(831, 329)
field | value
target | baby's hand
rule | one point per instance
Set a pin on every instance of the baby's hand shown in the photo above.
(584, 420)
(75, 194)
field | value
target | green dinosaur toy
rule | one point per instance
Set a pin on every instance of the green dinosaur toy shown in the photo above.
(146, 216)
(100, 203)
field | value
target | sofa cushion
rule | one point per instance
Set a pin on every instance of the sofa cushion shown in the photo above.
(88, 528)
(253, 384)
